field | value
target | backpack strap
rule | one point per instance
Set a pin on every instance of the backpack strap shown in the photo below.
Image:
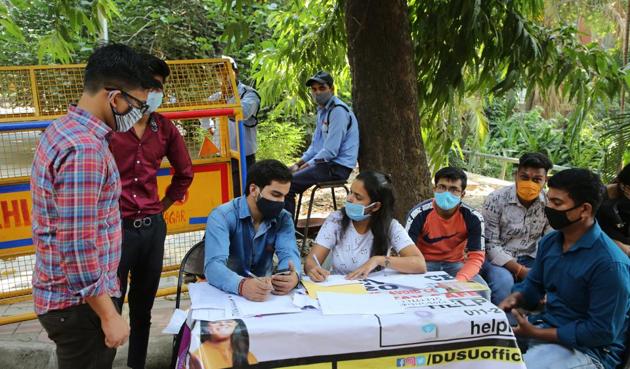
(344, 108)
(255, 116)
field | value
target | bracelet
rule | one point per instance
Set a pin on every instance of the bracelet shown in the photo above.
(240, 286)
(518, 272)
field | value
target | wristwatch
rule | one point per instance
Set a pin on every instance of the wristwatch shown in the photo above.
(386, 262)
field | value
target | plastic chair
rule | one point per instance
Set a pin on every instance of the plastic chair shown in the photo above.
(314, 224)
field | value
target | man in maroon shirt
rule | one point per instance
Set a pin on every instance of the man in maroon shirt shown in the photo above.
(139, 153)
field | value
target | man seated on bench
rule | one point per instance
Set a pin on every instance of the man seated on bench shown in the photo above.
(586, 280)
(243, 235)
(448, 232)
(335, 146)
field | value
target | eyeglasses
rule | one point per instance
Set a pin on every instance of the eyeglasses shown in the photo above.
(454, 190)
(143, 104)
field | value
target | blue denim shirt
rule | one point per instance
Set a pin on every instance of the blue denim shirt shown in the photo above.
(333, 141)
(233, 247)
(588, 290)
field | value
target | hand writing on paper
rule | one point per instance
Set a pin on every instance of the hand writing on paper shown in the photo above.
(365, 269)
(318, 274)
(256, 289)
(283, 283)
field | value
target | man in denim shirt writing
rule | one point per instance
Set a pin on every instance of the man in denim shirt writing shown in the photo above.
(243, 235)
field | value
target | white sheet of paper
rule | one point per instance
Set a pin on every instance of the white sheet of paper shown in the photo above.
(273, 305)
(208, 314)
(205, 296)
(334, 280)
(177, 319)
(412, 281)
(301, 300)
(372, 303)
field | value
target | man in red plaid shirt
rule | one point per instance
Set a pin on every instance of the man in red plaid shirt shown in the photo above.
(75, 187)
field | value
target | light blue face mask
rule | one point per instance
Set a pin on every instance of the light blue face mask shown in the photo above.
(356, 212)
(446, 200)
(154, 100)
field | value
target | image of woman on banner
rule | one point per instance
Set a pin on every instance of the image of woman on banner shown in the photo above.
(364, 236)
(224, 344)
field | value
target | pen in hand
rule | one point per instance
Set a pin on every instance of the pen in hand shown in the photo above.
(260, 279)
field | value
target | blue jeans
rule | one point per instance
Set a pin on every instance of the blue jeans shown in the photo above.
(541, 355)
(500, 279)
(452, 269)
(305, 178)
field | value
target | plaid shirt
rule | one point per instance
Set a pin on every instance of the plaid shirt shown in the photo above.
(76, 220)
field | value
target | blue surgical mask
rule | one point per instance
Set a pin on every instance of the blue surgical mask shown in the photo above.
(446, 200)
(356, 212)
(154, 100)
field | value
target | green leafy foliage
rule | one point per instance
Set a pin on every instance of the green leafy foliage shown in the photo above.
(279, 140)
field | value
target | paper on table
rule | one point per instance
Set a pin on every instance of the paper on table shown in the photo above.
(273, 305)
(301, 300)
(208, 314)
(334, 280)
(175, 324)
(412, 281)
(374, 303)
(205, 296)
(315, 288)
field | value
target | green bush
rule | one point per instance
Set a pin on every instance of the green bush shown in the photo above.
(279, 140)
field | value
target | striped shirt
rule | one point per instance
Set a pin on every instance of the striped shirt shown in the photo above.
(75, 187)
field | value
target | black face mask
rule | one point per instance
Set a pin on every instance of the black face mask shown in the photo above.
(268, 208)
(558, 218)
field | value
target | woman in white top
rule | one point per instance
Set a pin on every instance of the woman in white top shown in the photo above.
(362, 234)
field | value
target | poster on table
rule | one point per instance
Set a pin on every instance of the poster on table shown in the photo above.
(465, 332)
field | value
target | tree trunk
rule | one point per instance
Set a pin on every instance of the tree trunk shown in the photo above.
(385, 98)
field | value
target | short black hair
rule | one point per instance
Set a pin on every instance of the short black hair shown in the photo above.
(535, 160)
(452, 174)
(582, 185)
(263, 172)
(624, 175)
(117, 66)
(157, 66)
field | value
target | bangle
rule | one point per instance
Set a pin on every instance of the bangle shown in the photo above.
(518, 272)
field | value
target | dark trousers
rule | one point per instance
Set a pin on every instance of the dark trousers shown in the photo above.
(236, 184)
(305, 178)
(142, 254)
(79, 338)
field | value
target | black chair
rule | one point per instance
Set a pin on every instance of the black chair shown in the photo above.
(303, 226)
(190, 270)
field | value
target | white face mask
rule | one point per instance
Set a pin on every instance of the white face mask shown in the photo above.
(154, 100)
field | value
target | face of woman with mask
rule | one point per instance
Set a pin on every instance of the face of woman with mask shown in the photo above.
(359, 205)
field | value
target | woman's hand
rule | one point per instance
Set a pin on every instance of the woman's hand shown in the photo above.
(365, 269)
(318, 274)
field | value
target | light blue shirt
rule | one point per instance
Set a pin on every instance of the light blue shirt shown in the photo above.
(233, 247)
(334, 141)
(250, 102)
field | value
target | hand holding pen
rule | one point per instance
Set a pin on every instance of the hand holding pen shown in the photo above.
(256, 288)
(317, 273)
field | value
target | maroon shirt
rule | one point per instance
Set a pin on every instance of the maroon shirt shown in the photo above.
(139, 160)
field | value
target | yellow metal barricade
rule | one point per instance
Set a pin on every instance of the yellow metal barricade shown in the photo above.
(31, 97)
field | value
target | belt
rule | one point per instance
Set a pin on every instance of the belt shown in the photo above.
(140, 222)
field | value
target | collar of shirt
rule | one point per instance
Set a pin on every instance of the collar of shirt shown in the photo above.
(94, 125)
(585, 242)
(513, 199)
(244, 212)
